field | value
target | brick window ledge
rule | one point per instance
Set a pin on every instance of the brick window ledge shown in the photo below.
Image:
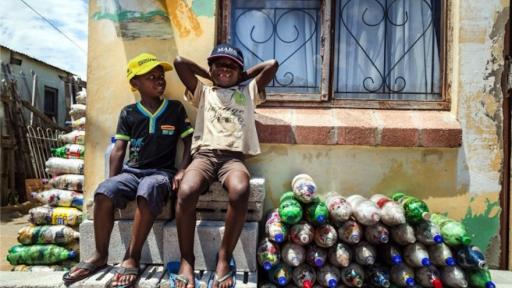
(367, 127)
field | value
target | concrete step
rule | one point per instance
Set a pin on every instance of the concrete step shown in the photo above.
(162, 243)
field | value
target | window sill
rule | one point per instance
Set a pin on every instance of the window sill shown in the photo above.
(366, 127)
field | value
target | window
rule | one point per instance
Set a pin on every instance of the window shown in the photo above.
(344, 53)
(15, 60)
(50, 102)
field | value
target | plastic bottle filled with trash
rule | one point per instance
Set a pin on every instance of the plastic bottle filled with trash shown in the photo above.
(353, 275)
(340, 255)
(274, 228)
(389, 254)
(293, 254)
(304, 188)
(391, 213)
(69, 151)
(453, 276)
(73, 137)
(365, 254)
(378, 276)
(428, 233)
(46, 215)
(441, 255)
(58, 166)
(328, 276)
(304, 276)
(376, 234)
(302, 233)
(267, 254)
(403, 234)
(415, 209)
(38, 254)
(316, 256)
(416, 255)
(339, 209)
(453, 232)
(325, 236)
(364, 210)
(72, 182)
(428, 277)
(55, 234)
(316, 212)
(480, 278)
(402, 275)
(280, 274)
(470, 257)
(290, 211)
(350, 232)
(58, 197)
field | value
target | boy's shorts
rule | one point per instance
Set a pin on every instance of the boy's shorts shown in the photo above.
(217, 164)
(152, 184)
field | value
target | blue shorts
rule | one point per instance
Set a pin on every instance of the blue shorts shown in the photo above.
(152, 184)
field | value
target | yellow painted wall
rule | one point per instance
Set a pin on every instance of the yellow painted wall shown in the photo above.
(464, 182)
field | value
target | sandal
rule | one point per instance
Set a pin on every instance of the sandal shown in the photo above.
(87, 266)
(231, 274)
(125, 271)
(173, 278)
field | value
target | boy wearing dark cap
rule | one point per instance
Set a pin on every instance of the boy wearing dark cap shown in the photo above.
(224, 134)
(153, 127)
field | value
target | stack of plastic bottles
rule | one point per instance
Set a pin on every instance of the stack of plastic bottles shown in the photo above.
(51, 242)
(358, 242)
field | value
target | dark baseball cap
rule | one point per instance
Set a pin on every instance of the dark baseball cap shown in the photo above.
(229, 51)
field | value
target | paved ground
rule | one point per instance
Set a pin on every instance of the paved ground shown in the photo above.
(12, 219)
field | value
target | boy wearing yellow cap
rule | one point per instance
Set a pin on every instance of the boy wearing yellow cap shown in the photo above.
(153, 127)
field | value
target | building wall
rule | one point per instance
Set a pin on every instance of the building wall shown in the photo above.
(462, 182)
(46, 76)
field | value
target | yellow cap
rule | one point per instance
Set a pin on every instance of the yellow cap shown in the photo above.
(143, 63)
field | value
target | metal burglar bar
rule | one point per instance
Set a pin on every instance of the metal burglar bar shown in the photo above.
(388, 49)
(286, 31)
(40, 142)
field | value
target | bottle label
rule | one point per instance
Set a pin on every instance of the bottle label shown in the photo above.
(382, 202)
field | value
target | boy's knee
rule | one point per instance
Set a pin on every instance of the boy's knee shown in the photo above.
(238, 191)
(187, 192)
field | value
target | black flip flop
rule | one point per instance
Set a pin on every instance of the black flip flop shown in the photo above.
(89, 267)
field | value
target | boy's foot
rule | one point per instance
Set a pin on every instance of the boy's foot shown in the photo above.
(127, 275)
(84, 269)
(186, 272)
(224, 275)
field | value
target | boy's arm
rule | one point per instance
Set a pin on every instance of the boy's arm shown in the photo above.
(188, 70)
(186, 159)
(262, 72)
(117, 157)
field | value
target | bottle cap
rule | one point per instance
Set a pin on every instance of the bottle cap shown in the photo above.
(307, 284)
(267, 266)
(437, 283)
(425, 262)
(410, 281)
(320, 219)
(332, 283)
(279, 238)
(482, 264)
(385, 283)
(490, 284)
(397, 259)
(438, 239)
(112, 139)
(282, 280)
(72, 254)
(465, 240)
(384, 238)
(450, 261)
(319, 262)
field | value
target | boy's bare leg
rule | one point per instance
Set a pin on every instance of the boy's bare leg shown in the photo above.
(103, 224)
(191, 186)
(237, 184)
(142, 223)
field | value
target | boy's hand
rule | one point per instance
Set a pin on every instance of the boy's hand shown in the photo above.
(177, 179)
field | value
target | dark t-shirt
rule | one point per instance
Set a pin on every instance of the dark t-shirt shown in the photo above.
(153, 137)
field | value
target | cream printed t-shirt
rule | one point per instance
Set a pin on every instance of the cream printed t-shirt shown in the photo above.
(225, 118)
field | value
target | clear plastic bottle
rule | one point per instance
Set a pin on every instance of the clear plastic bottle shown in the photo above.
(108, 151)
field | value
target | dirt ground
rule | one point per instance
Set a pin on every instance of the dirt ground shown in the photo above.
(12, 219)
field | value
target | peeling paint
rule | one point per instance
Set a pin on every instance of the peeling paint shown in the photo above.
(183, 18)
(203, 7)
(484, 226)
